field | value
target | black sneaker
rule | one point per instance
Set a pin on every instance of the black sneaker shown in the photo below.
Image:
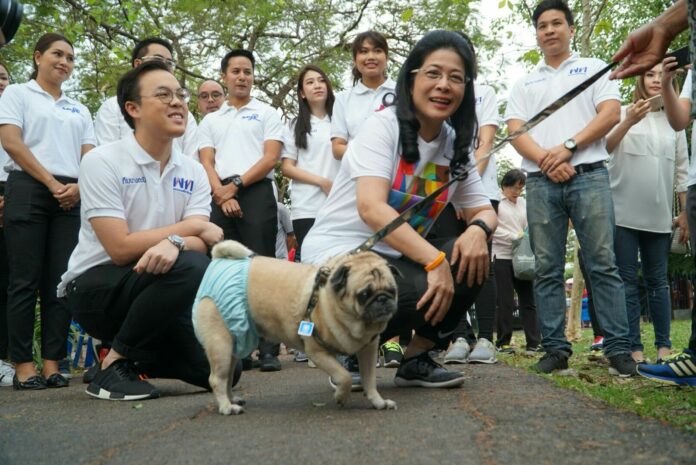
(392, 354)
(350, 363)
(88, 376)
(551, 361)
(121, 381)
(622, 365)
(269, 362)
(423, 371)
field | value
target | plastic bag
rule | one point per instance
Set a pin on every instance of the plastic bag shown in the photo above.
(523, 258)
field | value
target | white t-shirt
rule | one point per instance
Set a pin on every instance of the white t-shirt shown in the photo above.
(4, 161)
(318, 159)
(354, 105)
(541, 87)
(487, 115)
(512, 219)
(686, 94)
(644, 169)
(376, 152)
(238, 136)
(54, 130)
(121, 180)
(284, 228)
(110, 126)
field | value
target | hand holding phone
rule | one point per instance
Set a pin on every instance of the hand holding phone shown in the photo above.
(682, 55)
(656, 102)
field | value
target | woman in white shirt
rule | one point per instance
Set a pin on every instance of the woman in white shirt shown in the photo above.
(45, 133)
(512, 221)
(403, 154)
(647, 161)
(368, 94)
(307, 157)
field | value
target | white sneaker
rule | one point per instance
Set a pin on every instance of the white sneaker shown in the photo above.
(458, 352)
(7, 372)
(484, 352)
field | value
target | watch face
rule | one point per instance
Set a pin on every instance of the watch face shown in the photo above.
(570, 144)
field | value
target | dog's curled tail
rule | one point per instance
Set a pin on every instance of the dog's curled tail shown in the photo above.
(230, 249)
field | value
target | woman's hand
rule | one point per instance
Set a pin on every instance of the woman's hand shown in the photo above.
(326, 185)
(681, 222)
(68, 196)
(440, 290)
(637, 111)
(471, 251)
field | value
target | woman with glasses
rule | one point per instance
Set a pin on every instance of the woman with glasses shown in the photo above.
(512, 222)
(648, 162)
(370, 86)
(45, 133)
(307, 158)
(404, 153)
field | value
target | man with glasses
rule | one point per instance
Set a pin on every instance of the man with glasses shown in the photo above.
(565, 158)
(109, 124)
(210, 97)
(143, 241)
(239, 146)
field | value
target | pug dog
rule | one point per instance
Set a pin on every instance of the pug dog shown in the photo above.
(242, 295)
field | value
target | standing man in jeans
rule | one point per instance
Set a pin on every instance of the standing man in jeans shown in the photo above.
(565, 158)
(239, 146)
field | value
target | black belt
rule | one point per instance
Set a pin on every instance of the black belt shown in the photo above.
(579, 169)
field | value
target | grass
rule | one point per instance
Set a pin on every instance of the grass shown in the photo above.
(672, 404)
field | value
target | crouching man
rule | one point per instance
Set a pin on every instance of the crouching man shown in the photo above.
(142, 246)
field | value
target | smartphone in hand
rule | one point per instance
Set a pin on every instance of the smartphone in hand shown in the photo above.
(682, 55)
(656, 102)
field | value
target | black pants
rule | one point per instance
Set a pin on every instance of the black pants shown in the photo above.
(507, 282)
(4, 333)
(301, 227)
(40, 236)
(691, 218)
(411, 287)
(146, 316)
(256, 229)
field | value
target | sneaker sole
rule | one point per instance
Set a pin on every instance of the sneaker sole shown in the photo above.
(487, 361)
(614, 372)
(455, 361)
(402, 382)
(107, 395)
(392, 364)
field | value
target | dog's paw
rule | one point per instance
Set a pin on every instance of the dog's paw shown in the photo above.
(384, 404)
(341, 397)
(238, 400)
(231, 409)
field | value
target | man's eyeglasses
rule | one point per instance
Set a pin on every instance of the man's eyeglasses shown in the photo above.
(166, 96)
(210, 95)
(435, 74)
(169, 62)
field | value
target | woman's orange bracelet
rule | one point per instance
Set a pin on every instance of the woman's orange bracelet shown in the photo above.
(435, 263)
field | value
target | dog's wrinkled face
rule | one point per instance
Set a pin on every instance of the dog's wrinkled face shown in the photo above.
(365, 283)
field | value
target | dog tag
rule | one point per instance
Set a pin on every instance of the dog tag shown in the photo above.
(306, 328)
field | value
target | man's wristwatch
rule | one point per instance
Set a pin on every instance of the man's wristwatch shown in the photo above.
(177, 241)
(571, 145)
(482, 224)
(237, 181)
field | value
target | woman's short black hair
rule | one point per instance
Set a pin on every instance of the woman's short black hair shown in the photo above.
(513, 177)
(463, 121)
(128, 89)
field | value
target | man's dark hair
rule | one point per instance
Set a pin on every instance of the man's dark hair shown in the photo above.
(237, 52)
(140, 49)
(128, 89)
(546, 5)
(513, 177)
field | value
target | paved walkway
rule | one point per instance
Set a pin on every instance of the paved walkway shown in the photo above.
(502, 415)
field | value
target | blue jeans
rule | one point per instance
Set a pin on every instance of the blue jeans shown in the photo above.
(586, 200)
(654, 248)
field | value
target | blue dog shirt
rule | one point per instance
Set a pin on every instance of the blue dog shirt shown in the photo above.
(225, 281)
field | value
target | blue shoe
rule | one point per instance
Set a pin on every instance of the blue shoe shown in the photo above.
(677, 369)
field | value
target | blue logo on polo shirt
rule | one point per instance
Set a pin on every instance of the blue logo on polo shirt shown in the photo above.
(254, 117)
(577, 71)
(71, 109)
(183, 185)
(127, 181)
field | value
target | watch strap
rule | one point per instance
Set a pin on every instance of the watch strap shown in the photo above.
(482, 224)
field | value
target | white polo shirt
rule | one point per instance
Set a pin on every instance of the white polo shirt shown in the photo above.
(487, 115)
(284, 228)
(354, 105)
(54, 130)
(120, 180)
(376, 152)
(4, 161)
(110, 126)
(238, 135)
(541, 87)
(686, 94)
(318, 159)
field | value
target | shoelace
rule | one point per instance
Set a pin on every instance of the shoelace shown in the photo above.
(392, 346)
(126, 369)
(678, 357)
